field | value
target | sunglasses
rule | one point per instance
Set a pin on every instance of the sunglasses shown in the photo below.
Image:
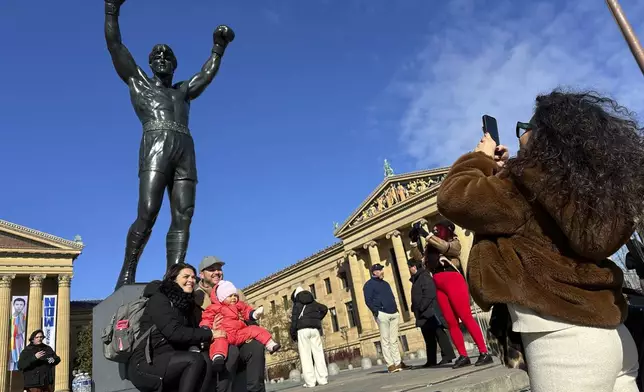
(523, 128)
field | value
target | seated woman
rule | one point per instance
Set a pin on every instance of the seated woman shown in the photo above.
(546, 223)
(172, 359)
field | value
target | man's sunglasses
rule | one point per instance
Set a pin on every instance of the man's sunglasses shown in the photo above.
(523, 128)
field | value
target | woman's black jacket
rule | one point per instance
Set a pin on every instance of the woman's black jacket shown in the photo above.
(307, 313)
(37, 372)
(423, 299)
(175, 316)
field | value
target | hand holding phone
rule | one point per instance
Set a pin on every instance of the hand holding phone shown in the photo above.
(490, 126)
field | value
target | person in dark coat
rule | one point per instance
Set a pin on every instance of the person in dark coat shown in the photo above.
(306, 328)
(174, 345)
(428, 314)
(37, 362)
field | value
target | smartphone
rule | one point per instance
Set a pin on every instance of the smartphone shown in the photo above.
(489, 126)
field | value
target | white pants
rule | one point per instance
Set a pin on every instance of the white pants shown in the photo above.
(388, 326)
(582, 359)
(309, 344)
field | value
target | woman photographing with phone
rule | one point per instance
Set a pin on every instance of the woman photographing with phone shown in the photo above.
(37, 363)
(546, 222)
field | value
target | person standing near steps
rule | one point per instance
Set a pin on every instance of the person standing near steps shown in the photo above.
(382, 303)
(306, 327)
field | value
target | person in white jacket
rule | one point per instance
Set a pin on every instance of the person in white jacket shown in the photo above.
(306, 328)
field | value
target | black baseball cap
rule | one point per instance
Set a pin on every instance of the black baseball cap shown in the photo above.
(414, 263)
(376, 267)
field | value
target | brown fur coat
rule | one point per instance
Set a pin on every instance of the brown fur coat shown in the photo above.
(529, 253)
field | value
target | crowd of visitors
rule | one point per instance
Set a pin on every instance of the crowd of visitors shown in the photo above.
(545, 224)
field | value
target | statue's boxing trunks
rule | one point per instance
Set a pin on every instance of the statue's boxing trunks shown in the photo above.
(167, 147)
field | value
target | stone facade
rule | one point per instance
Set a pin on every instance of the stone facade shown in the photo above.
(377, 232)
(33, 264)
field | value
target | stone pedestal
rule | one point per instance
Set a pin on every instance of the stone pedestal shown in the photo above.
(110, 376)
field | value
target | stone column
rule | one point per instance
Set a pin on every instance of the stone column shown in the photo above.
(34, 313)
(374, 256)
(357, 284)
(5, 317)
(62, 333)
(401, 259)
(466, 238)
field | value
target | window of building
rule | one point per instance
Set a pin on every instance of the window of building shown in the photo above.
(312, 290)
(403, 343)
(273, 306)
(344, 281)
(276, 334)
(285, 300)
(378, 348)
(334, 320)
(351, 314)
(327, 284)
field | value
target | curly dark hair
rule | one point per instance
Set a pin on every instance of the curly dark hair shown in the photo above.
(590, 151)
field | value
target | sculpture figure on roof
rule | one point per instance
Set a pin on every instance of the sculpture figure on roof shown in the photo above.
(388, 170)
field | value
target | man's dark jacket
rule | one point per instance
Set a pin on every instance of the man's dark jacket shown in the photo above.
(423, 299)
(379, 297)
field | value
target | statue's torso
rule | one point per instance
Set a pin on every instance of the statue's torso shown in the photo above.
(155, 102)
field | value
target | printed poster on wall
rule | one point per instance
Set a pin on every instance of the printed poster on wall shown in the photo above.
(18, 327)
(49, 319)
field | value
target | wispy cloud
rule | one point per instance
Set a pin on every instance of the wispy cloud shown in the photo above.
(496, 60)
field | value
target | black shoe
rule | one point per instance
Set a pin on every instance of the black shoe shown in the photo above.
(484, 359)
(428, 365)
(218, 363)
(461, 361)
(275, 349)
(445, 361)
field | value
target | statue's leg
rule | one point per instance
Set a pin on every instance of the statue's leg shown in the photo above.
(151, 187)
(182, 206)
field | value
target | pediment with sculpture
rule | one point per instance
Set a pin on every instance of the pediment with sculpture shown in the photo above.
(395, 190)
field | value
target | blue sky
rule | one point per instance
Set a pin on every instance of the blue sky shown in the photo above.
(291, 136)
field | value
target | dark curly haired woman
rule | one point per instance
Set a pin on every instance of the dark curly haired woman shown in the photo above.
(546, 223)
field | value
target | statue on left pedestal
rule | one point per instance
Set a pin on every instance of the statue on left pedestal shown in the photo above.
(167, 155)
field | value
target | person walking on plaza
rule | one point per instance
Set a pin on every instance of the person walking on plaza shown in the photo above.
(546, 223)
(442, 259)
(428, 314)
(306, 327)
(381, 301)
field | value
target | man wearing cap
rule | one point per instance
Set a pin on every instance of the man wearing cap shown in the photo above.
(245, 364)
(381, 301)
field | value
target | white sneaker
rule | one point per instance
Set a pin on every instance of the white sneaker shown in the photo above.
(308, 386)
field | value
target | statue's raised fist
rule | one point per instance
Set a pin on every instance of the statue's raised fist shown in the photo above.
(117, 3)
(223, 35)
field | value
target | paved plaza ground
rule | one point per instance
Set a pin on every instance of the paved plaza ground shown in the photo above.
(491, 378)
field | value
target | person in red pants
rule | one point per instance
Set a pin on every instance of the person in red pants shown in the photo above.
(225, 301)
(442, 259)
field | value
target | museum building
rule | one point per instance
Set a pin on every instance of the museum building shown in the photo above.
(377, 232)
(36, 271)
